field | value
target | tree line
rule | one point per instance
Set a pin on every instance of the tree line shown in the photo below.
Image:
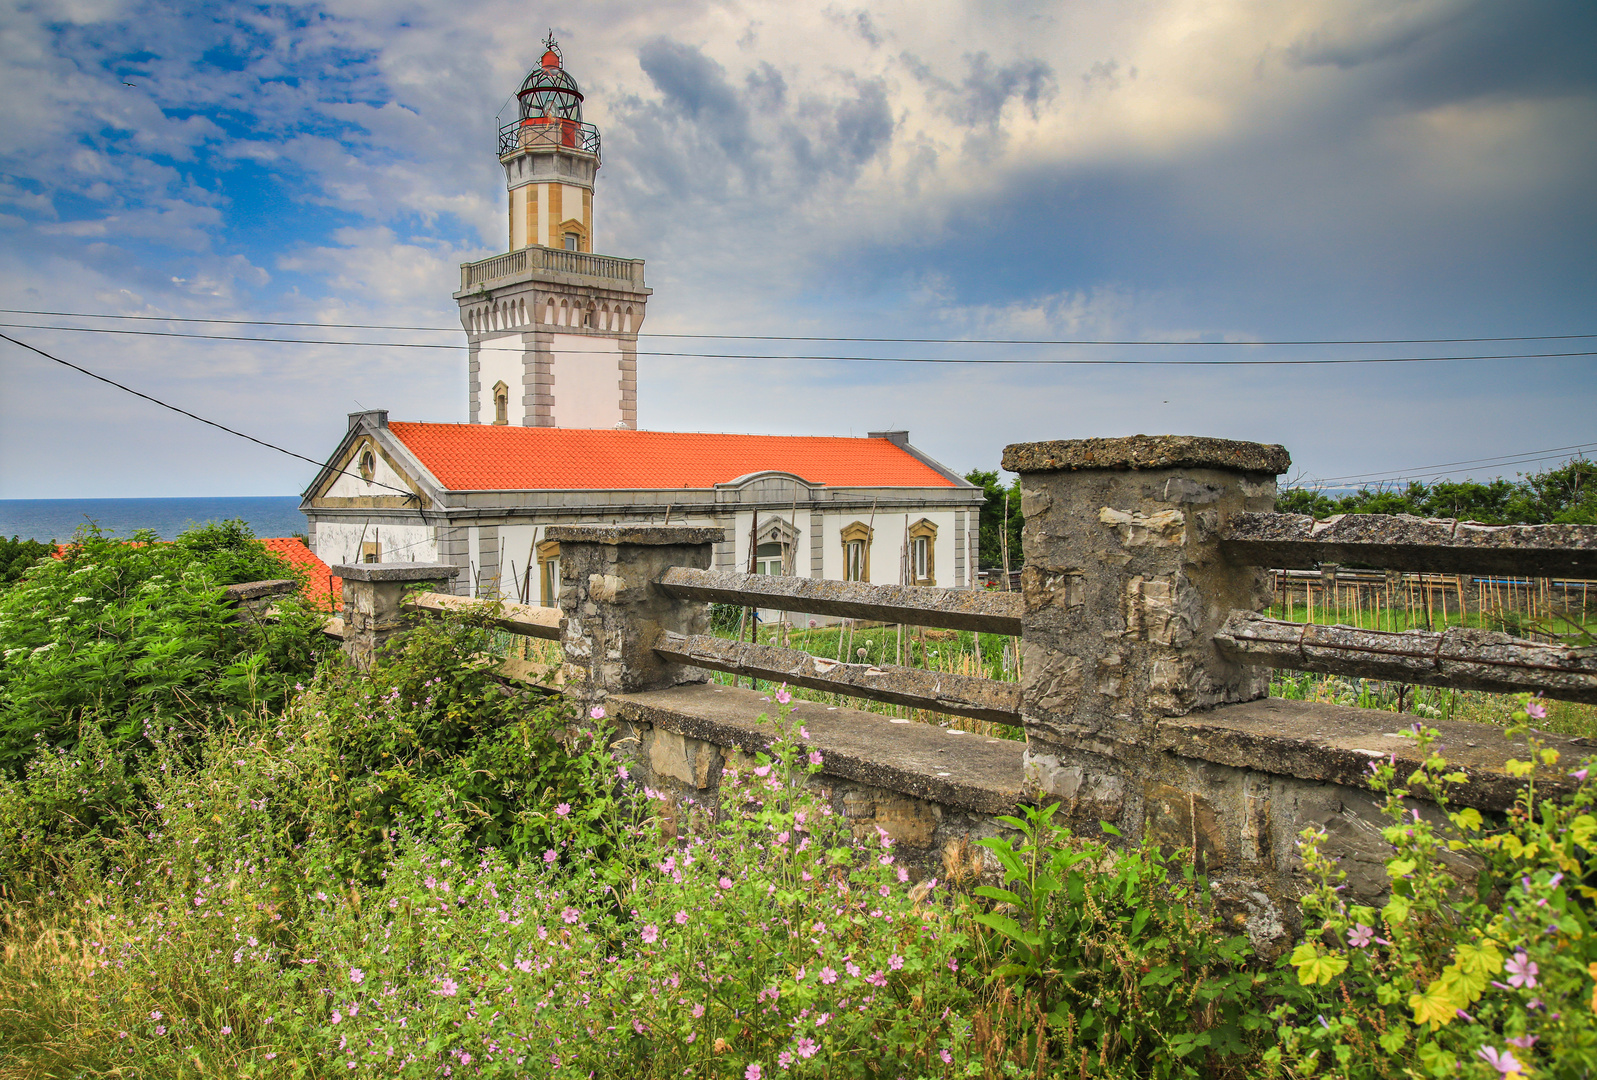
(1566, 494)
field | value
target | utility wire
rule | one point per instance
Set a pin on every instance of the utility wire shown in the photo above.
(793, 337)
(1010, 361)
(196, 416)
(1505, 459)
(1523, 458)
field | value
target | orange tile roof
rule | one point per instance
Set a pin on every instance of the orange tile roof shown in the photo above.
(321, 587)
(485, 457)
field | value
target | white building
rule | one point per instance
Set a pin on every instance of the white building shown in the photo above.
(552, 386)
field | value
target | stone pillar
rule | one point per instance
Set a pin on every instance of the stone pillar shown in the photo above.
(613, 610)
(1124, 587)
(372, 595)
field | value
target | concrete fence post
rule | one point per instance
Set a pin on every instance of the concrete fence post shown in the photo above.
(372, 595)
(613, 609)
(1124, 586)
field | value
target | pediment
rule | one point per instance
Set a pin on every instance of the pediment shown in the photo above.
(365, 475)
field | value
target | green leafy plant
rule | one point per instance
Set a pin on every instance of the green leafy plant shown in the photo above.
(1482, 960)
(134, 635)
(1121, 951)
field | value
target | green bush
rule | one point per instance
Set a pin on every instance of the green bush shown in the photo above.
(18, 556)
(133, 634)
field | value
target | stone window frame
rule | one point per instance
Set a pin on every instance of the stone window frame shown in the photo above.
(548, 553)
(776, 530)
(501, 398)
(371, 551)
(924, 529)
(367, 458)
(857, 532)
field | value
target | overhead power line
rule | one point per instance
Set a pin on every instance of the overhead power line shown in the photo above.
(1009, 361)
(1523, 458)
(797, 337)
(195, 416)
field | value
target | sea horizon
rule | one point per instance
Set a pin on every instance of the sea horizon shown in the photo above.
(59, 519)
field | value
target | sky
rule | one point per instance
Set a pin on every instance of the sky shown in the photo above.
(1190, 171)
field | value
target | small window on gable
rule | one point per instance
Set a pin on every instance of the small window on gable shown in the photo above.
(857, 552)
(573, 242)
(923, 553)
(371, 551)
(368, 465)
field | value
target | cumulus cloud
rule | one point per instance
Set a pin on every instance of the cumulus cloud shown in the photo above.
(1185, 170)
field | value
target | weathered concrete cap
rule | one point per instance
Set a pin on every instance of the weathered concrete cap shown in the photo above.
(655, 535)
(1147, 452)
(254, 590)
(397, 572)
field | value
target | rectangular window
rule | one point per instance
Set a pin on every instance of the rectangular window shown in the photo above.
(922, 558)
(371, 551)
(770, 559)
(856, 561)
(572, 241)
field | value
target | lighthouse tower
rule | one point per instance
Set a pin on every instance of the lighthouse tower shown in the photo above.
(552, 327)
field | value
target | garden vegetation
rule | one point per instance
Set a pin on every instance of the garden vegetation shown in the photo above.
(240, 857)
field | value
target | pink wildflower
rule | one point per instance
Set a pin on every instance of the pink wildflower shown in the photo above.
(1536, 710)
(725, 883)
(752, 1072)
(828, 976)
(806, 1047)
(570, 915)
(357, 976)
(651, 934)
(1521, 970)
(815, 757)
(550, 856)
(596, 713)
(1504, 1062)
(948, 1059)
(563, 809)
(681, 918)
(782, 696)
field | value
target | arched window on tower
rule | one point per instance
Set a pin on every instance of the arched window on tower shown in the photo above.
(501, 403)
(587, 317)
(549, 312)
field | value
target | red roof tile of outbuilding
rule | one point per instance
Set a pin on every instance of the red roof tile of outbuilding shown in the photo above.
(483, 457)
(321, 587)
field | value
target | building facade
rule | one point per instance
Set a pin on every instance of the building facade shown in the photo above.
(552, 330)
(480, 496)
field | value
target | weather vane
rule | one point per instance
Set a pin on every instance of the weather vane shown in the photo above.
(552, 45)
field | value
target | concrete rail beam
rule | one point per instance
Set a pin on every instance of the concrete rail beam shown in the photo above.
(936, 691)
(1404, 542)
(954, 609)
(527, 619)
(1457, 658)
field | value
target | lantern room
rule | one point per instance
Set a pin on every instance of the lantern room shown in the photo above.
(550, 157)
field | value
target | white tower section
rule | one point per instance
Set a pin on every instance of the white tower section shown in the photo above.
(552, 328)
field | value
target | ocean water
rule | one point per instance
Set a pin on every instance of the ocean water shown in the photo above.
(58, 519)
